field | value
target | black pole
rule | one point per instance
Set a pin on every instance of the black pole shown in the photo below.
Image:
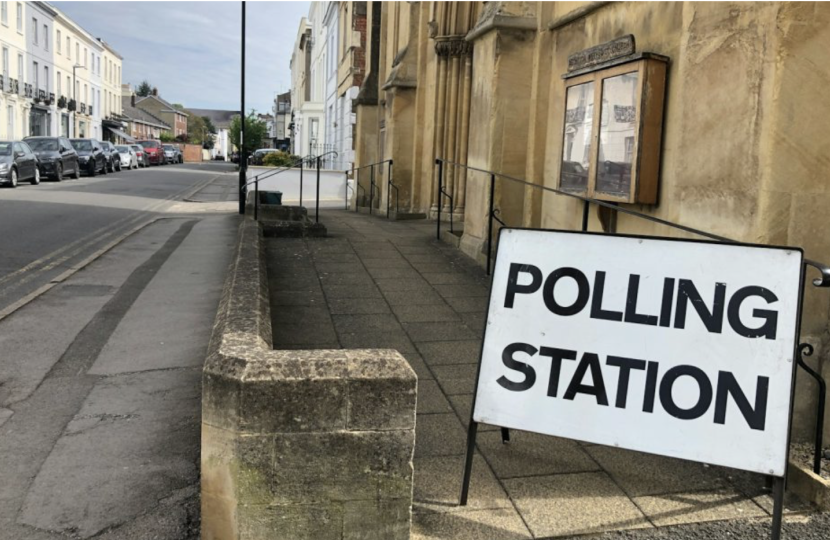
(490, 222)
(440, 175)
(302, 166)
(585, 207)
(397, 195)
(472, 430)
(388, 192)
(777, 507)
(346, 190)
(317, 199)
(371, 188)
(256, 199)
(242, 157)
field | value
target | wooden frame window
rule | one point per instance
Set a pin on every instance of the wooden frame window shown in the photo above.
(612, 131)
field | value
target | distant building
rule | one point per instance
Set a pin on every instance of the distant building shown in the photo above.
(221, 120)
(173, 117)
(140, 123)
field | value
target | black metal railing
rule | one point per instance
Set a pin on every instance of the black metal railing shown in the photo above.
(804, 349)
(327, 152)
(301, 162)
(373, 185)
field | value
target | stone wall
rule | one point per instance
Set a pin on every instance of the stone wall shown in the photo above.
(300, 444)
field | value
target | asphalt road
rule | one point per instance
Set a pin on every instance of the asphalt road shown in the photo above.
(108, 291)
(51, 228)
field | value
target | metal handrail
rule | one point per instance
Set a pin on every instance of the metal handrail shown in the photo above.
(268, 174)
(804, 349)
(371, 182)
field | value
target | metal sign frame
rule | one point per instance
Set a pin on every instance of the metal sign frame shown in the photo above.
(778, 483)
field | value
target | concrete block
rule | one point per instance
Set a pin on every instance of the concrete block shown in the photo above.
(300, 444)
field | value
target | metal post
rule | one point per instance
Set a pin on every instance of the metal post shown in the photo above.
(440, 191)
(302, 166)
(242, 157)
(468, 462)
(490, 222)
(777, 507)
(346, 190)
(317, 199)
(388, 193)
(805, 349)
(397, 205)
(371, 188)
(256, 199)
(585, 208)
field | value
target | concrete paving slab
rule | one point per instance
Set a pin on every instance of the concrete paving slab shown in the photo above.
(462, 290)
(694, 507)
(464, 304)
(445, 278)
(351, 291)
(450, 352)
(438, 486)
(463, 404)
(303, 334)
(361, 278)
(498, 524)
(439, 435)
(430, 398)
(346, 324)
(438, 331)
(413, 285)
(530, 454)
(646, 474)
(425, 313)
(295, 298)
(373, 340)
(355, 306)
(404, 273)
(418, 365)
(408, 298)
(300, 315)
(456, 378)
(572, 504)
(340, 268)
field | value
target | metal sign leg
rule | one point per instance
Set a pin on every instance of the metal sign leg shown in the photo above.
(778, 507)
(468, 463)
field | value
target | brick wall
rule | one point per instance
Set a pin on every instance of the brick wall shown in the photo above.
(359, 53)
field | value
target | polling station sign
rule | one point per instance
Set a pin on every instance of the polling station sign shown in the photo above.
(678, 348)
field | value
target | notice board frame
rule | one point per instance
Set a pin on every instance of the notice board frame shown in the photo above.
(778, 483)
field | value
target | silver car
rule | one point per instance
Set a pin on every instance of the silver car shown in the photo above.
(172, 154)
(128, 158)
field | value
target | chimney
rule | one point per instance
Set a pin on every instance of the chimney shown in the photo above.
(132, 100)
(155, 91)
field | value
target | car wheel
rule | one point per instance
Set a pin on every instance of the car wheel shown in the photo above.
(104, 169)
(58, 172)
(14, 178)
(92, 171)
(118, 165)
(36, 178)
(76, 172)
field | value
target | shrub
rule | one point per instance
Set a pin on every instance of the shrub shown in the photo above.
(279, 159)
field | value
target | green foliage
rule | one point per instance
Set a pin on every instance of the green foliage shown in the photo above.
(279, 159)
(144, 89)
(255, 132)
(166, 137)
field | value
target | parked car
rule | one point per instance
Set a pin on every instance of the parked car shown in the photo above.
(259, 155)
(140, 155)
(91, 156)
(153, 152)
(113, 159)
(128, 158)
(56, 157)
(172, 154)
(18, 163)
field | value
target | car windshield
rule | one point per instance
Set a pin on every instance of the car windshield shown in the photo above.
(149, 144)
(5, 148)
(122, 148)
(167, 147)
(81, 144)
(137, 148)
(41, 145)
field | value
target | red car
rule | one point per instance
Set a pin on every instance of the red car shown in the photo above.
(154, 153)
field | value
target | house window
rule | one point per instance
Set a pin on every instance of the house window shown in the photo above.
(612, 131)
(20, 70)
(46, 78)
(34, 75)
(46, 37)
(5, 64)
(77, 52)
(58, 42)
(34, 30)
(86, 57)
(20, 17)
(68, 48)
(10, 122)
(68, 84)
(4, 13)
(58, 83)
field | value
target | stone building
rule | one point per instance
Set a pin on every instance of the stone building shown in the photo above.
(737, 150)
(164, 111)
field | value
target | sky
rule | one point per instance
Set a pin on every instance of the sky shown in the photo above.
(191, 50)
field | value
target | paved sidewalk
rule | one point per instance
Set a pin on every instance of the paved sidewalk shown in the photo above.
(379, 284)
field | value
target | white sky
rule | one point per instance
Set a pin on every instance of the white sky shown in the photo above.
(190, 50)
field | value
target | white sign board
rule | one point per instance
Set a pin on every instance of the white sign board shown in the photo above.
(677, 348)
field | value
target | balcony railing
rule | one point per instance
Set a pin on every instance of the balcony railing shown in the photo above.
(62, 102)
(83, 108)
(28, 91)
(14, 86)
(90, 110)
(72, 105)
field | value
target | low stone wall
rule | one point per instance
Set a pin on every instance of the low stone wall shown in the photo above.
(300, 444)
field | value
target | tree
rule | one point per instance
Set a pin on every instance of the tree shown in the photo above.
(144, 89)
(210, 133)
(255, 132)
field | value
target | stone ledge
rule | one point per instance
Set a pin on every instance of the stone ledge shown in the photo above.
(300, 444)
(808, 485)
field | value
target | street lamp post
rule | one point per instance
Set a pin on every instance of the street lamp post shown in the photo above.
(243, 158)
(74, 96)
